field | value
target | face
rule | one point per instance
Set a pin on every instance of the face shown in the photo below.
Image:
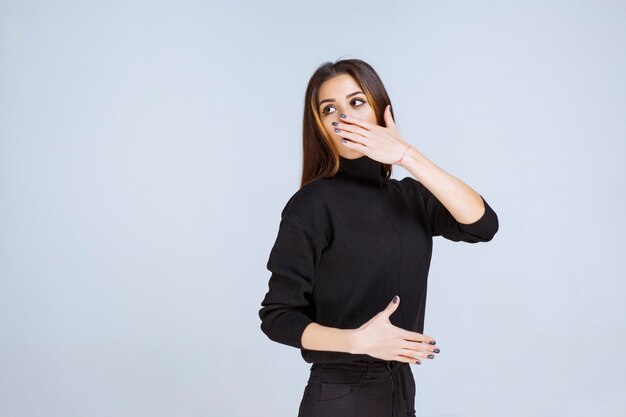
(341, 94)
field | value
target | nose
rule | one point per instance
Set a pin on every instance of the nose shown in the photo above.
(338, 117)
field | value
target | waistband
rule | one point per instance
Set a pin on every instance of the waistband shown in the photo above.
(362, 364)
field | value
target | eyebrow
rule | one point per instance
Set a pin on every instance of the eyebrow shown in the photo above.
(332, 99)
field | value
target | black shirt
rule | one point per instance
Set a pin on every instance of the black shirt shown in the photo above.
(347, 244)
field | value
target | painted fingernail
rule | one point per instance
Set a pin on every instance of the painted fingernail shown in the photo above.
(395, 300)
(432, 342)
(343, 116)
(419, 363)
(337, 130)
(436, 351)
(343, 140)
(431, 356)
(335, 124)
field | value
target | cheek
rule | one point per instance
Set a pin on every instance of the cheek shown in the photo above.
(330, 130)
(369, 115)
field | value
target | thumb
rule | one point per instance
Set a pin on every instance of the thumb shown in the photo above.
(392, 306)
(389, 122)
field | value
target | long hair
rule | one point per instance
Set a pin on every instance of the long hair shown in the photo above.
(320, 155)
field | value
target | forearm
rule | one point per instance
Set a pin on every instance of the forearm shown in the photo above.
(462, 201)
(318, 337)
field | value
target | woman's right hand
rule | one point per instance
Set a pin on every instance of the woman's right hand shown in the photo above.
(381, 339)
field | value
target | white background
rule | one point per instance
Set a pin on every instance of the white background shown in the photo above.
(148, 147)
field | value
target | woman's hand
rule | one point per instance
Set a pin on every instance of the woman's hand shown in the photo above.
(381, 339)
(382, 144)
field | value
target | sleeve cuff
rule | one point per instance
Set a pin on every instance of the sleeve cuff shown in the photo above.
(485, 227)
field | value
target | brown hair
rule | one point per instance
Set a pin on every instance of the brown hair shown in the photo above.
(320, 155)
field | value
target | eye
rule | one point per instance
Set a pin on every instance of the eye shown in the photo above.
(324, 112)
(353, 100)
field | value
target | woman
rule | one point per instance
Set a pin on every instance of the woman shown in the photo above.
(350, 263)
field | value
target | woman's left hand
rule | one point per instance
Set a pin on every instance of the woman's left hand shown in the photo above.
(383, 144)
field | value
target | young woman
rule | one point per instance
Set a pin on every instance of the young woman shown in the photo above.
(350, 263)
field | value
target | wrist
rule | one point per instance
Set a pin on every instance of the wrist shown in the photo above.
(406, 148)
(351, 340)
(411, 156)
(414, 160)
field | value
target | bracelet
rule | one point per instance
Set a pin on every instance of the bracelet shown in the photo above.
(400, 160)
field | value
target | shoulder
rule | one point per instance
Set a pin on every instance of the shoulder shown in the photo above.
(309, 207)
(308, 199)
(409, 186)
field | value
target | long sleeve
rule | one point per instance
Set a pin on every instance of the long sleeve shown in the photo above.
(286, 308)
(442, 223)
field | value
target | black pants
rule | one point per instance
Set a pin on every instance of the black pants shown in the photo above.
(359, 389)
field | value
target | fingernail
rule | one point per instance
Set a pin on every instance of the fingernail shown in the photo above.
(395, 299)
(436, 351)
(335, 124)
(343, 116)
(432, 342)
(337, 130)
(343, 141)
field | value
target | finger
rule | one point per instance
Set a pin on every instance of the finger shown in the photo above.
(420, 347)
(414, 346)
(407, 359)
(389, 117)
(417, 337)
(392, 306)
(354, 138)
(346, 127)
(354, 145)
(357, 121)
(413, 356)
(418, 353)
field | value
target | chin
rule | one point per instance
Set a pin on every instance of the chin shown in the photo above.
(351, 154)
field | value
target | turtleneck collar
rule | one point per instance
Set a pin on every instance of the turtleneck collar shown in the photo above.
(362, 169)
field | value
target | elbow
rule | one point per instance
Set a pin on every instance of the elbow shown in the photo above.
(484, 229)
(284, 326)
(266, 328)
(488, 233)
(484, 233)
(271, 325)
(492, 227)
(266, 323)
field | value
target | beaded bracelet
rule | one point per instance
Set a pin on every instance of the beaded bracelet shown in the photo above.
(400, 160)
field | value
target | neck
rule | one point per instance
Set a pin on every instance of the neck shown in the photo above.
(362, 169)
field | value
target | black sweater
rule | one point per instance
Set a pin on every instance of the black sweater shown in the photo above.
(347, 244)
